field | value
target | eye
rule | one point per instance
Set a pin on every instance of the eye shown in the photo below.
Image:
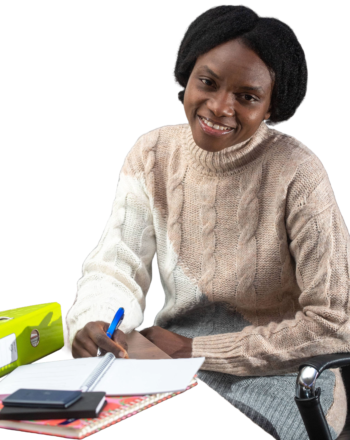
(249, 98)
(208, 81)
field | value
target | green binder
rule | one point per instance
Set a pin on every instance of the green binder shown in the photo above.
(28, 334)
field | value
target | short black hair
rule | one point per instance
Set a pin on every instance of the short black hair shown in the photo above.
(272, 40)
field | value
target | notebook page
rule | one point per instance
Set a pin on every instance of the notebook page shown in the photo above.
(135, 376)
(124, 377)
(59, 375)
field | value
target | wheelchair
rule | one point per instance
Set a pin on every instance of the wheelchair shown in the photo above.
(307, 396)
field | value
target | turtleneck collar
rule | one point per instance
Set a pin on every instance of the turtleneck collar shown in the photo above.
(228, 159)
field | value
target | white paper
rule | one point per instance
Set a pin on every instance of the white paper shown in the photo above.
(125, 376)
(135, 376)
(8, 350)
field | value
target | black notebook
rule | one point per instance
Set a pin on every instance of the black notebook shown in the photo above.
(89, 406)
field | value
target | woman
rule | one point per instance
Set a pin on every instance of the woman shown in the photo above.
(253, 252)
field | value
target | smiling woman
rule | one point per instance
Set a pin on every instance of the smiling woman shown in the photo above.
(252, 248)
(272, 41)
(227, 96)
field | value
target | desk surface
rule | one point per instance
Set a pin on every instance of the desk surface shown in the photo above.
(141, 348)
(138, 347)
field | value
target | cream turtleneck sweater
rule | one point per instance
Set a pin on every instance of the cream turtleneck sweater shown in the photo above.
(252, 250)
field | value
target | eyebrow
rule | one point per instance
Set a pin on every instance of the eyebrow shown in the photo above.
(210, 71)
(250, 88)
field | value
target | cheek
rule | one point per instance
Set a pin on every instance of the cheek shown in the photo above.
(188, 95)
(191, 104)
(252, 115)
(187, 100)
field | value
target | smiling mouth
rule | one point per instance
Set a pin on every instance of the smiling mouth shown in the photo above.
(215, 126)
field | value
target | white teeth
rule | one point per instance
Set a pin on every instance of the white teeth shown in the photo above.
(216, 126)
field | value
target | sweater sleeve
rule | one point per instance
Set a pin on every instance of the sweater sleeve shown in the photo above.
(320, 246)
(118, 272)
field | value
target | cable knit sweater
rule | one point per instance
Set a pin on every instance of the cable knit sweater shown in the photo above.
(252, 250)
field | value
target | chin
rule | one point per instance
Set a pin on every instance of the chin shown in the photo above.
(211, 143)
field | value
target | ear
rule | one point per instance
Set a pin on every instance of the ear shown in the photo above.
(267, 115)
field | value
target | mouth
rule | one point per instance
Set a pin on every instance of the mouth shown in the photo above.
(212, 128)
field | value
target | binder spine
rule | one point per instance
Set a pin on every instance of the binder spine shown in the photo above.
(33, 332)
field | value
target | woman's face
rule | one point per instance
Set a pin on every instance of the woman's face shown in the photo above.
(230, 87)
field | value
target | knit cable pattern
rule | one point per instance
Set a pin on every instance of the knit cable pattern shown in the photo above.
(247, 220)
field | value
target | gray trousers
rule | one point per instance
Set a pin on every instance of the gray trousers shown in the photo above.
(269, 400)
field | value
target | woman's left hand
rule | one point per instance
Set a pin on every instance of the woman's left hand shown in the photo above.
(171, 343)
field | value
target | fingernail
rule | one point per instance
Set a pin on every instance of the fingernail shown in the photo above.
(121, 354)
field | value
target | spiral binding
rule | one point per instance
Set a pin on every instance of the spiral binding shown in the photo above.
(98, 372)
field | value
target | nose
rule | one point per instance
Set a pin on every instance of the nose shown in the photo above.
(222, 104)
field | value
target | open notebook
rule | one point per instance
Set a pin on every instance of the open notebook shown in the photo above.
(120, 377)
(117, 409)
(136, 385)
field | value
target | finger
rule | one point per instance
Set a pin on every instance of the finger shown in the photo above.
(84, 353)
(120, 338)
(104, 343)
(79, 351)
(122, 351)
(85, 349)
(126, 356)
(100, 327)
(84, 343)
(122, 344)
(90, 347)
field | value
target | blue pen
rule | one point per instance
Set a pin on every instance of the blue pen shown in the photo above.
(117, 320)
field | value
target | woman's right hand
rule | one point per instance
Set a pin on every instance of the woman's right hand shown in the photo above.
(93, 336)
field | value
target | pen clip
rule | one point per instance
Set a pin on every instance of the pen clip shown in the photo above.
(120, 321)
